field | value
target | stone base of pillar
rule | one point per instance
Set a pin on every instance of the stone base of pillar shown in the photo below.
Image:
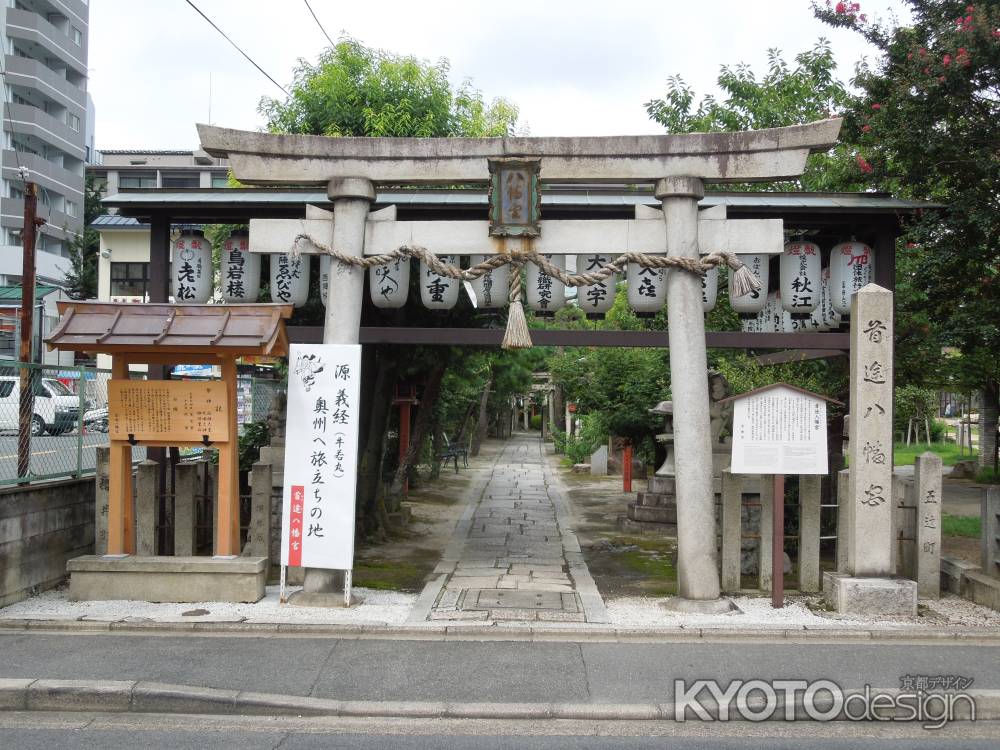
(720, 606)
(891, 597)
(326, 599)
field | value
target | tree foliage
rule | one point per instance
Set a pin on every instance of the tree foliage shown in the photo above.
(80, 279)
(926, 126)
(787, 94)
(353, 90)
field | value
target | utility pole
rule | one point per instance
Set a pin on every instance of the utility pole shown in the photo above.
(26, 402)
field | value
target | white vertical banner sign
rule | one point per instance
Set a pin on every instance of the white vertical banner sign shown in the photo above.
(321, 454)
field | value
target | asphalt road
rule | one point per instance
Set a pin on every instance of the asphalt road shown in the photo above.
(477, 671)
(50, 454)
(38, 731)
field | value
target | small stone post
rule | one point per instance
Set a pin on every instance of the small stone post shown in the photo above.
(259, 533)
(186, 486)
(732, 506)
(990, 540)
(697, 563)
(843, 520)
(102, 484)
(765, 570)
(352, 197)
(927, 486)
(871, 432)
(810, 500)
(146, 493)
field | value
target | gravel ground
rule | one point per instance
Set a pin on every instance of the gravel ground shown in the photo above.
(378, 607)
(756, 613)
(392, 608)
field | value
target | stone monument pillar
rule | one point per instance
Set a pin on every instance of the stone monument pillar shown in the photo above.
(697, 564)
(867, 587)
(352, 197)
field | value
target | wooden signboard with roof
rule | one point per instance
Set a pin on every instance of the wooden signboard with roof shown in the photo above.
(172, 413)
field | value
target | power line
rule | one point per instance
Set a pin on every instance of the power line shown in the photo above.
(319, 24)
(238, 49)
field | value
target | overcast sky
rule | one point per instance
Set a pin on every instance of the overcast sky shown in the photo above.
(579, 67)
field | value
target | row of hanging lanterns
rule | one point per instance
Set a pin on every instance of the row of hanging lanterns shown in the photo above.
(812, 297)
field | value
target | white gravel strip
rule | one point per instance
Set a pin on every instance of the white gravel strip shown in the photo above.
(377, 608)
(392, 608)
(756, 614)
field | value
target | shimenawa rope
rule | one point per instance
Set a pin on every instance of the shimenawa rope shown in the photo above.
(517, 335)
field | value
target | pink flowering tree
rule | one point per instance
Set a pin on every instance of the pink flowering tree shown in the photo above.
(926, 123)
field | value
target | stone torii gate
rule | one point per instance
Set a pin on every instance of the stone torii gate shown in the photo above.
(679, 166)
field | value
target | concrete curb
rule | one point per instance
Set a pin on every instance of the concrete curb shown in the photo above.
(111, 696)
(533, 632)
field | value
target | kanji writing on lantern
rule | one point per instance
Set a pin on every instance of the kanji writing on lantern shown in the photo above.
(387, 284)
(646, 286)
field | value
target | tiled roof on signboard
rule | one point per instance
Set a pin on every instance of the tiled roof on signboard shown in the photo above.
(110, 328)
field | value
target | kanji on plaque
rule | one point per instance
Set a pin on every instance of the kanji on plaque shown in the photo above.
(321, 452)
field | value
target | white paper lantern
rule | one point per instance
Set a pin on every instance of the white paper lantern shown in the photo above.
(191, 273)
(240, 275)
(753, 323)
(438, 292)
(289, 279)
(647, 288)
(800, 277)
(754, 301)
(493, 287)
(768, 314)
(709, 289)
(596, 299)
(545, 293)
(389, 285)
(851, 268)
(831, 318)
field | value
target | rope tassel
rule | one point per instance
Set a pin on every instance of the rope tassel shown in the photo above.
(517, 335)
(744, 280)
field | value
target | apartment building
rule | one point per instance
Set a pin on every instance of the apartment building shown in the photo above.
(44, 129)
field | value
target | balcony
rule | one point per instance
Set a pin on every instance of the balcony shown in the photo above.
(57, 223)
(34, 121)
(45, 173)
(31, 27)
(22, 71)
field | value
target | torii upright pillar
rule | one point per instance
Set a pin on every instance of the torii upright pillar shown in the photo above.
(352, 197)
(697, 574)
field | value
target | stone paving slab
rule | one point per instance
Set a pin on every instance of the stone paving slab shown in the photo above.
(513, 556)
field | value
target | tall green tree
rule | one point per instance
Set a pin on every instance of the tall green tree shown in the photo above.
(353, 90)
(80, 279)
(927, 125)
(787, 94)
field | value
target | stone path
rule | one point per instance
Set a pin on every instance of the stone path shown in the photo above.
(513, 555)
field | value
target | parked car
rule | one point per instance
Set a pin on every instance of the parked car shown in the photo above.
(96, 420)
(57, 408)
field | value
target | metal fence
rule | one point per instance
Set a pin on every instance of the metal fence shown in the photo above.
(66, 416)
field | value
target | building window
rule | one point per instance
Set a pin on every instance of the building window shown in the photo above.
(72, 209)
(73, 121)
(179, 180)
(137, 180)
(129, 279)
(220, 180)
(77, 36)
